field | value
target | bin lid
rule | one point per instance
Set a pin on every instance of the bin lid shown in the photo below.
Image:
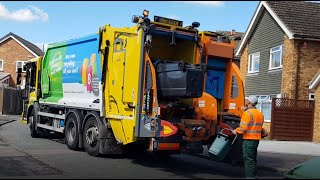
(306, 170)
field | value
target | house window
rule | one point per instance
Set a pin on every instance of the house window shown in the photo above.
(254, 62)
(262, 98)
(20, 64)
(235, 87)
(264, 106)
(276, 57)
(1, 65)
(5, 83)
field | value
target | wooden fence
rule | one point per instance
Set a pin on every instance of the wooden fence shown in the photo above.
(292, 119)
(10, 100)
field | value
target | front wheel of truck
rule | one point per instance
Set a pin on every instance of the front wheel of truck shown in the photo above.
(32, 119)
(91, 139)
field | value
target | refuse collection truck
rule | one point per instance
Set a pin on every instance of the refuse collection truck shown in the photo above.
(140, 87)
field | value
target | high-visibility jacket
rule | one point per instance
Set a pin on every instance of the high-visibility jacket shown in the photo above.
(251, 124)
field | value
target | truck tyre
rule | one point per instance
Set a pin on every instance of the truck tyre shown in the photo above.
(71, 133)
(91, 139)
(32, 124)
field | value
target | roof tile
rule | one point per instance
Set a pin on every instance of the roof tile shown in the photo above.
(301, 18)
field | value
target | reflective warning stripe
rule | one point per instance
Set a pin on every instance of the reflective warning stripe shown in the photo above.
(253, 131)
(258, 124)
(241, 129)
(251, 117)
(252, 123)
(244, 123)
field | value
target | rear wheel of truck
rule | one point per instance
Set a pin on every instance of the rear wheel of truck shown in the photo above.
(32, 119)
(71, 132)
(91, 137)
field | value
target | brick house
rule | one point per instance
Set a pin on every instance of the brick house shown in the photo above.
(280, 53)
(14, 52)
(314, 85)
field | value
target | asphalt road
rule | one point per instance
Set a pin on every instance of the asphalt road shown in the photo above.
(24, 157)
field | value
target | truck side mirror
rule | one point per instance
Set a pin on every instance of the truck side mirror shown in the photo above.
(19, 76)
(135, 19)
(195, 25)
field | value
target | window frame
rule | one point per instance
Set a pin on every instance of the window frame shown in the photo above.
(281, 56)
(23, 63)
(1, 68)
(234, 86)
(250, 64)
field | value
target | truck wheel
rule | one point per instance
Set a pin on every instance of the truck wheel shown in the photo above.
(32, 119)
(91, 140)
(71, 132)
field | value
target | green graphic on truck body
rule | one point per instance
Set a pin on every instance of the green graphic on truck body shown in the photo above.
(71, 73)
(52, 74)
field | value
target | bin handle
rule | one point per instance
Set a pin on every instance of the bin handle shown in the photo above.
(225, 129)
(231, 131)
(234, 139)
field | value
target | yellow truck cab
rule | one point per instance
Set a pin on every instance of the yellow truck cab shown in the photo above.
(31, 86)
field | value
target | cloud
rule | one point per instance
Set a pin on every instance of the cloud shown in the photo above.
(28, 14)
(206, 3)
(173, 16)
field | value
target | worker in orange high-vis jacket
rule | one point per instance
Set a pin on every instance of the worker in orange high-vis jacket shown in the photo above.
(250, 127)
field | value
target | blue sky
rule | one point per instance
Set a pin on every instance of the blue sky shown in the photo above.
(48, 22)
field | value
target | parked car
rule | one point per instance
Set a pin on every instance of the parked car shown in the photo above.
(306, 170)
